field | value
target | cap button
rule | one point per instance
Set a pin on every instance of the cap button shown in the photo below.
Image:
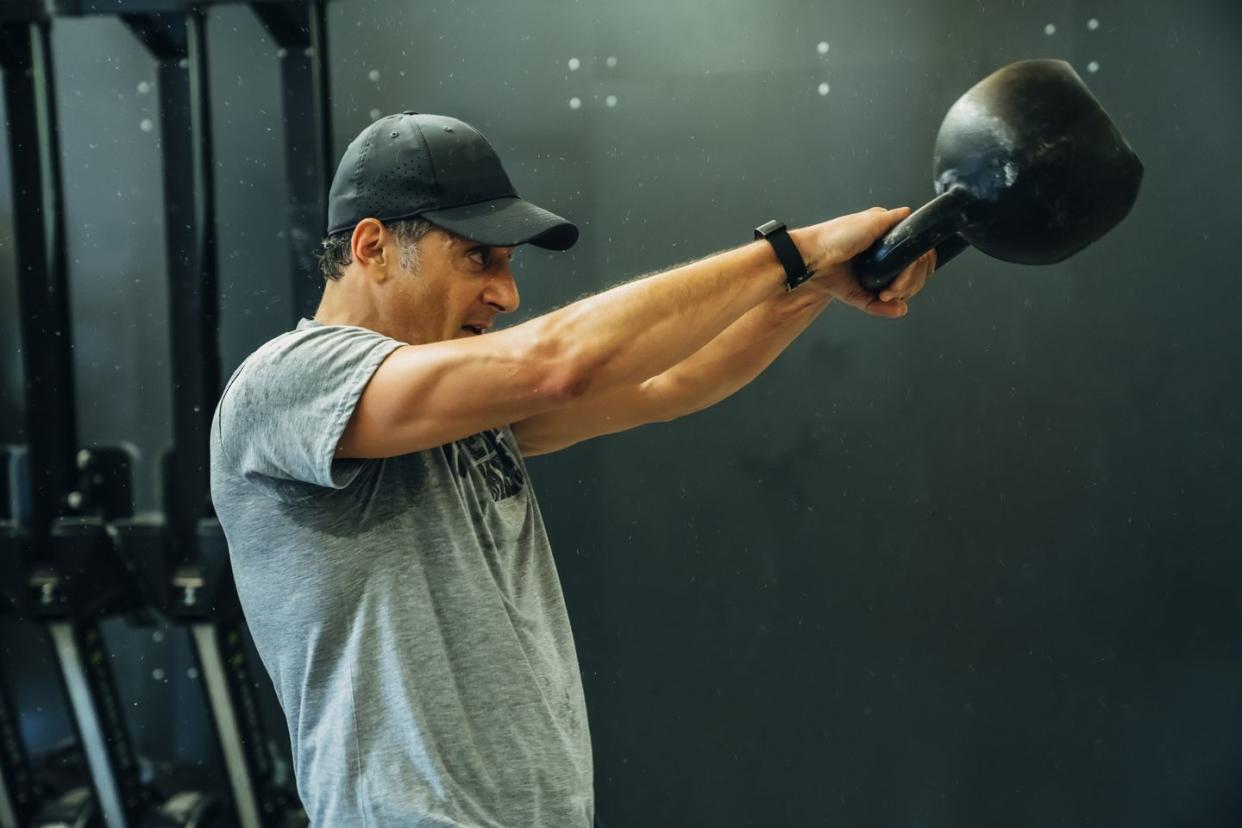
(448, 129)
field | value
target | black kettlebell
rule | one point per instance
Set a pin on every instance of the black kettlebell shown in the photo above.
(1028, 168)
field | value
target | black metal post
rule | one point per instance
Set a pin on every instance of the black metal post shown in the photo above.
(47, 356)
(300, 30)
(177, 40)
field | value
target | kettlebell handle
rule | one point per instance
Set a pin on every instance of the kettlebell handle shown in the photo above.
(934, 225)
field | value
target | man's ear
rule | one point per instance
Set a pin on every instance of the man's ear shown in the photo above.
(367, 247)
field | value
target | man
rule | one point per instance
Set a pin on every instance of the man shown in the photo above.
(369, 471)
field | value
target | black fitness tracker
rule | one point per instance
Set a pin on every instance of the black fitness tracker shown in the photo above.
(796, 271)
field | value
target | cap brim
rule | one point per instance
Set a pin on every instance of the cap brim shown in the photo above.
(507, 222)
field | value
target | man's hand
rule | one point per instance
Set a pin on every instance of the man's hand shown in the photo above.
(830, 246)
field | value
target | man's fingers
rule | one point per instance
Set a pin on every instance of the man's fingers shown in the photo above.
(889, 310)
(862, 300)
(891, 217)
(912, 279)
(884, 219)
(899, 287)
(891, 301)
(905, 285)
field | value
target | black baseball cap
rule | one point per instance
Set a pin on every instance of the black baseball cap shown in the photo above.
(442, 170)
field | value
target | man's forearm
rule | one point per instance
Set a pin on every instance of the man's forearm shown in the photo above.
(641, 329)
(739, 353)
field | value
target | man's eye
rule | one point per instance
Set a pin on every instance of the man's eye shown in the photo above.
(479, 255)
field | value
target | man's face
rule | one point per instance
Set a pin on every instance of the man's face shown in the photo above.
(459, 289)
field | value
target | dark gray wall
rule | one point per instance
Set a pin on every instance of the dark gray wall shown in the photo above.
(975, 566)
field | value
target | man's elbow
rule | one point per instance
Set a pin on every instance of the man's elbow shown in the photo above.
(564, 385)
(566, 376)
(667, 397)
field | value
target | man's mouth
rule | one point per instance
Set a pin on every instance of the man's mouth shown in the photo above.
(474, 329)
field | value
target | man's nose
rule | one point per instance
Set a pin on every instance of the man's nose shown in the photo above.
(502, 292)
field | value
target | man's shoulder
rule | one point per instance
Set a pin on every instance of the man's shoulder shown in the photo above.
(282, 411)
(311, 347)
(305, 338)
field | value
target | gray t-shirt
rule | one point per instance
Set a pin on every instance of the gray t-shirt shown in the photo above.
(408, 609)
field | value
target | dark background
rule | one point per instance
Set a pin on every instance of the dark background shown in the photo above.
(977, 566)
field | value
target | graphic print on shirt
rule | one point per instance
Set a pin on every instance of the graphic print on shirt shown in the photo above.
(500, 468)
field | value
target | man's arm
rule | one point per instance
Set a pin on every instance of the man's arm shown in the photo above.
(717, 370)
(726, 364)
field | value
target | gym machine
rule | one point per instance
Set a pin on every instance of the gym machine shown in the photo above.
(96, 560)
(181, 557)
(61, 560)
(34, 500)
(28, 797)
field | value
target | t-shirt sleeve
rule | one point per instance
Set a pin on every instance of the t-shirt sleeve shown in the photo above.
(283, 412)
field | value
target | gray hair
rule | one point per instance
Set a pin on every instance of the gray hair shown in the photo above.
(334, 253)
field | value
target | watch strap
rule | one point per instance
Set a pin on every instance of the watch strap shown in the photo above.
(796, 271)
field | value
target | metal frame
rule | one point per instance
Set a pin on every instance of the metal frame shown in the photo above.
(42, 284)
(177, 39)
(300, 31)
(47, 360)
(57, 549)
(118, 793)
